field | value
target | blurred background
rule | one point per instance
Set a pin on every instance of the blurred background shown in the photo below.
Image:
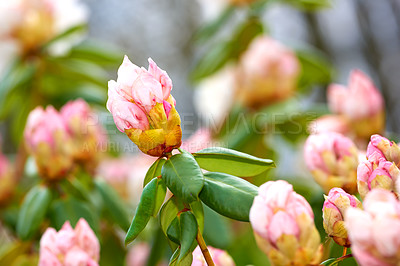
(208, 49)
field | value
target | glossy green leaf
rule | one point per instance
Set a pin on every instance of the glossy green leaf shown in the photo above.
(174, 231)
(228, 195)
(113, 204)
(72, 209)
(183, 176)
(189, 229)
(160, 195)
(218, 231)
(154, 170)
(187, 261)
(144, 211)
(171, 209)
(231, 162)
(33, 211)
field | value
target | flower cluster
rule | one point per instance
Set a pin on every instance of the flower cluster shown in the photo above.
(283, 224)
(267, 73)
(360, 103)
(374, 231)
(332, 159)
(69, 246)
(27, 24)
(333, 212)
(380, 170)
(57, 140)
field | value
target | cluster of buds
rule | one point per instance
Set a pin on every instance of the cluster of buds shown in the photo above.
(58, 140)
(267, 73)
(374, 232)
(332, 159)
(69, 246)
(88, 136)
(361, 103)
(7, 181)
(47, 139)
(333, 214)
(380, 170)
(30, 23)
(219, 257)
(283, 224)
(143, 107)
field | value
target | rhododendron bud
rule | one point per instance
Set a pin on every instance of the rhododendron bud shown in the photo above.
(31, 23)
(386, 148)
(267, 73)
(69, 246)
(330, 123)
(219, 257)
(7, 182)
(376, 172)
(332, 159)
(374, 232)
(47, 139)
(333, 211)
(283, 224)
(88, 136)
(361, 102)
(143, 108)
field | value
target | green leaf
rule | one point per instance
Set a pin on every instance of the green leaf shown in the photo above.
(218, 231)
(187, 261)
(144, 211)
(315, 68)
(215, 58)
(228, 195)
(245, 34)
(183, 176)
(33, 211)
(113, 204)
(231, 162)
(71, 31)
(171, 209)
(331, 261)
(160, 195)
(189, 229)
(71, 209)
(154, 170)
(174, 231)
(309, 5)
(212, 28)
(96, 53)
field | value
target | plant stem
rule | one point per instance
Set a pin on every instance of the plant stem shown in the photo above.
(344, 257)
(344, 251)
(204, 249)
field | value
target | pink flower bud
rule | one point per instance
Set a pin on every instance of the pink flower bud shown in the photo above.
(330, 123)
(361, 102)
(220, 257)
(69, 246)
(48, 141)
(376, 172)
(143, 108)
(267, 73)
(333, 211)
(332, 159)
(88, 136)
(374, 231)
(385, 148)
(283, 224)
